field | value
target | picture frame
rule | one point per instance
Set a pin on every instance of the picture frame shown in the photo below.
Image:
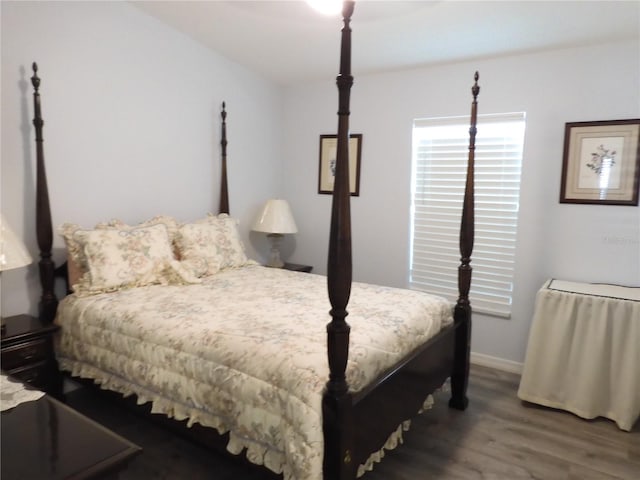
(601, 162)
(326, 171)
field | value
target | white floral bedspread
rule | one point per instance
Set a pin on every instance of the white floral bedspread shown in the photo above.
(244, 352)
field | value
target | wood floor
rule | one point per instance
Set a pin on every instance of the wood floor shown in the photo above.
(496, 438)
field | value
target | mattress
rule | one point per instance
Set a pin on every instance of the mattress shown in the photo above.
(244, 352)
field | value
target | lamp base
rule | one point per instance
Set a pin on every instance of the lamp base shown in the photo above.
(275, 261)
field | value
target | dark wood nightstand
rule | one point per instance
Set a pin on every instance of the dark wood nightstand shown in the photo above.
(27, 353)
(295, 267)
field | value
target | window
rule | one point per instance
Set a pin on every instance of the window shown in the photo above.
(440, 154)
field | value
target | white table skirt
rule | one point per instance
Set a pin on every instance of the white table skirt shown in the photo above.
(583, 354)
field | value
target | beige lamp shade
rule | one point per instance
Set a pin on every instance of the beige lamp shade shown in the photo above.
(13, 253)
(275, 220)
(275, 217)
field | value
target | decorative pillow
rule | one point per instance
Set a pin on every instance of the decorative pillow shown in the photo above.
(230, 243)
(125, 258)
(197, 246)
(76, 261)
(216, 240)
(169, 222)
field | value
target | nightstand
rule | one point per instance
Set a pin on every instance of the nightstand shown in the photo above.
(295, 267)
(27, 353)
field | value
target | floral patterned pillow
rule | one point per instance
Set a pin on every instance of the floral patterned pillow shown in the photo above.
(196, 244)
(74, 236)
(169, 222)
(76, 260)
(214, 239)
(125, 258)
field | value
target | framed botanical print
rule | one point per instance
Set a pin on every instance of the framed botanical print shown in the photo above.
(327, 168)
(601, 163)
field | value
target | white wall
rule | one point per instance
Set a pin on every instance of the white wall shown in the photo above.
(574, 242)
(132, 126)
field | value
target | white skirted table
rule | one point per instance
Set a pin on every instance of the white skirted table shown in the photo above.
(583, 354)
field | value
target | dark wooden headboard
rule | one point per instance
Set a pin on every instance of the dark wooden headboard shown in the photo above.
(48, 303)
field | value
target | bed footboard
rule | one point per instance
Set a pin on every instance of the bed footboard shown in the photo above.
(400, 394)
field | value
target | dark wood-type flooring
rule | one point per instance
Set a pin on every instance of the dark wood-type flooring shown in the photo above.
(496, 438)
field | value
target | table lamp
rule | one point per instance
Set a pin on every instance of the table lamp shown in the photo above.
(275, 220)
(13, 253)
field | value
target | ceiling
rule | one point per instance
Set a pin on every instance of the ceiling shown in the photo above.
(288, 42)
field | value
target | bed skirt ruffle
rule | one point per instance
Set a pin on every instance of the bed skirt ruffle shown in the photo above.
(256, 453)
(394, 440)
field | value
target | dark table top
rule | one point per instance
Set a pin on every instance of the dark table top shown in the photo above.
(45, 439)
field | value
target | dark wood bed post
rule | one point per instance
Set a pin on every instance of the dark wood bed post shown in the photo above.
(337, 407)
(44, 231)
(462, 311)
(224, 191)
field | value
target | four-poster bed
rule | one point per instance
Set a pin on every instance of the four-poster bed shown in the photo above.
(359, 408)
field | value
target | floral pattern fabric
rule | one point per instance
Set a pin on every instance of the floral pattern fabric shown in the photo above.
(76, 237)
(215, 239)
(117, 258)
(244, 352)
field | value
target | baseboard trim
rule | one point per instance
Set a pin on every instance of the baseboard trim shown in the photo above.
(495, 362)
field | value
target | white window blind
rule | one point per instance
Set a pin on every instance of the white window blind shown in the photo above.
(440, 155)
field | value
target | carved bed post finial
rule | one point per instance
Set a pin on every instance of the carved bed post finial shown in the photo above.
(467, 226)
(224, 190)
(35, 80)
(462, 311)
(337, 401)
(44, 231)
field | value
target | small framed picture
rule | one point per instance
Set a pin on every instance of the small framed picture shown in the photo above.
(327, 171)
(601, 163)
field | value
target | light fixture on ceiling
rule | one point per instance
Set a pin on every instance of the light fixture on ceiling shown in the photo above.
(326, 7)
